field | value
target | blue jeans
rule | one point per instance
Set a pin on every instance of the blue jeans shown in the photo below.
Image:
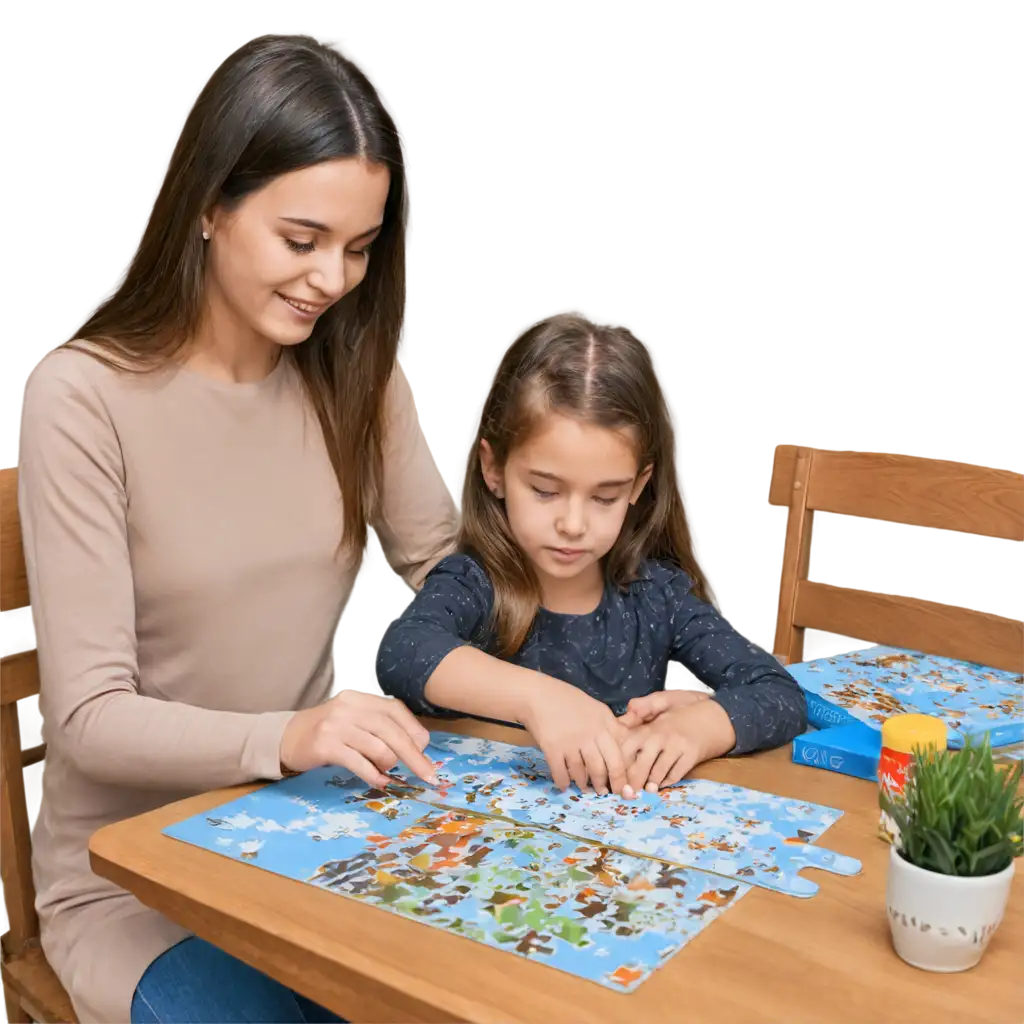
(196, 983)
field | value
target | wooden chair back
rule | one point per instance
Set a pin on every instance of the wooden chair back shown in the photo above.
(900, 489)
(31, 990)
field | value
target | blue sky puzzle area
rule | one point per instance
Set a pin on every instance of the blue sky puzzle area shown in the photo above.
(603, 888)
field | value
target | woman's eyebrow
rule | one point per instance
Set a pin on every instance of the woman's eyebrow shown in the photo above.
(315, 225)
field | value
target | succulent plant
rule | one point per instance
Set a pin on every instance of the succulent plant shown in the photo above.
(959, 812)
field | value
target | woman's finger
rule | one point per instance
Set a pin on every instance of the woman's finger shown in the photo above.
(347, 757)
(402, 744)
(403, 717)
(372, 747)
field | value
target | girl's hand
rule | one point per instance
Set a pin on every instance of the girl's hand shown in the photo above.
(579, 736)
(362, 732)
(663, 751)
(641, 710)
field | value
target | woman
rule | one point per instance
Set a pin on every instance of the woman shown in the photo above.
(198, 471)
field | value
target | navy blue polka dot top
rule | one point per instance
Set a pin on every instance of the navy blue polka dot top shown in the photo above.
(619, 651)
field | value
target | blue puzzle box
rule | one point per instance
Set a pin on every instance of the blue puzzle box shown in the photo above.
(871, 685)
(852, 749)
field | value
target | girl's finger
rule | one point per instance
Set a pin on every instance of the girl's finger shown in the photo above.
(556, 765)
(650, 706)
(577, 769)
(683, 766)
(596, 768)
(614, 762)
(639, 772)
(663, 765)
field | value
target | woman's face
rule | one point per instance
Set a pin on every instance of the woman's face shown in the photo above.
(292, 249)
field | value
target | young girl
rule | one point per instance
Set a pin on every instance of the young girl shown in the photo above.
(577, 582)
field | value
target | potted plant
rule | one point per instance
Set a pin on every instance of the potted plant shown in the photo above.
(960, 828)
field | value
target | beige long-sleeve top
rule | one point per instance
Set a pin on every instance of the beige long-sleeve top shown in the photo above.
(181, 537)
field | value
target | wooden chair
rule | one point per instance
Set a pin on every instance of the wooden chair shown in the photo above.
(900, 489)
(31, 989)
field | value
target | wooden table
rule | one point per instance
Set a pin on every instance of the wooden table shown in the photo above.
(769, 958)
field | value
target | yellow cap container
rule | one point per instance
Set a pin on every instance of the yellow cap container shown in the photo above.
(901, 736)
(905, 733)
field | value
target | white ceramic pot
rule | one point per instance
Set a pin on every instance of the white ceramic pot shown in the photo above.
(942, 922)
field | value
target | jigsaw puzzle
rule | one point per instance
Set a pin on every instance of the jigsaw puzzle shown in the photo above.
(873, 684)
(595, 912)
(729, 830)
(604, 888)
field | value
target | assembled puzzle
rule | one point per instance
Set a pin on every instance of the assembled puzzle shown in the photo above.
(603, 888)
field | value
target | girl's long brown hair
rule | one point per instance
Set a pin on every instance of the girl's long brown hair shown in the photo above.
(277, 104)
(605, 376)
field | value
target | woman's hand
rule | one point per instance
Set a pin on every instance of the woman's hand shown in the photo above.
(579, 736)
(670, 745)
(362, 732)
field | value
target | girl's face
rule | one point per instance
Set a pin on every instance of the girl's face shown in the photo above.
(292, 249)
(567, 490)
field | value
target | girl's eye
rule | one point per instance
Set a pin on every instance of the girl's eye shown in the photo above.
(605, 501)
(543, 494)
(364, 252)
(299, 246)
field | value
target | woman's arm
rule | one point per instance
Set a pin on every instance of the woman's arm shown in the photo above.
(764, 703)
(73, 502)
(416, 519)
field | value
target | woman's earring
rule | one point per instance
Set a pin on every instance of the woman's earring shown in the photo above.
(206, 236)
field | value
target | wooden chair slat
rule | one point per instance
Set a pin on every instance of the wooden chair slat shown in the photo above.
(15, 837)
(939, 629)
(781, 457)
(19, 676)
(13, 577)
(33, 755)
(906, 489)
(789, 637)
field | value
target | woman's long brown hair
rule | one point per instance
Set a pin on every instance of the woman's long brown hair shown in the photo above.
(605, 376)
(277, 104)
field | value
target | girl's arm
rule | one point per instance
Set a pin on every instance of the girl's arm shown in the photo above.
(73, 503)
(431, 658)
(763, 701)
(416, 519)
(428, 659)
